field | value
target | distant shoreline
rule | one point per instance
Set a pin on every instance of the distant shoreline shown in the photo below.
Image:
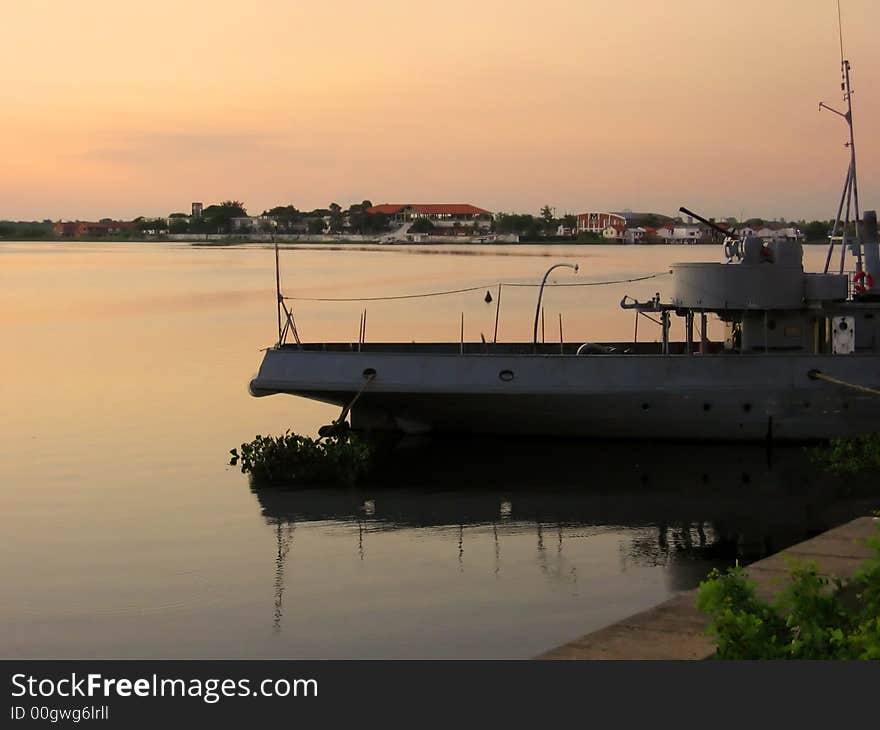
(231, 240)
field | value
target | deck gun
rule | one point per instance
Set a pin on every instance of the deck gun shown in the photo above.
(732, 247)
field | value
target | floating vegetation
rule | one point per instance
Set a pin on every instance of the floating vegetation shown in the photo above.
(851, 455)
(337, 457)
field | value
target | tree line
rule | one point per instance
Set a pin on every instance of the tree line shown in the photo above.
(218, 218)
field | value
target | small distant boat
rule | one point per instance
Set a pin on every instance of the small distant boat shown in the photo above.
(800, 360)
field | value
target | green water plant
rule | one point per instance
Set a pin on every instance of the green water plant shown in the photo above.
(340, 457)
(814, 617)
(850, 455)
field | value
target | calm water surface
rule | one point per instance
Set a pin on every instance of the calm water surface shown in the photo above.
(125, 534)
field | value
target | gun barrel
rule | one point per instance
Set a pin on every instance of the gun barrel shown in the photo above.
(707, 222)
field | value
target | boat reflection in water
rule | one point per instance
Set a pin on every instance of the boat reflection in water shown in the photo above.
(680, 508)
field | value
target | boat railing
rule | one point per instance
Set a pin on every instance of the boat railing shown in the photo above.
(287, 324)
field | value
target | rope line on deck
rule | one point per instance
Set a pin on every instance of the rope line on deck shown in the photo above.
(819, 375)
(468, 289)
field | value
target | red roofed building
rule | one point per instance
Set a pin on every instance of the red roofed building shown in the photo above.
(444, 215)
(599, 222)
(77, 229)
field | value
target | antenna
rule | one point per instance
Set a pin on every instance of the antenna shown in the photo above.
(850, 195)
(279, 301)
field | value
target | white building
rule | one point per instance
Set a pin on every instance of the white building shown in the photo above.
(686, 234)
(441, 215)
(634, 235)
(244, 223)
(614, 232)
(665, 232)
(771, 233)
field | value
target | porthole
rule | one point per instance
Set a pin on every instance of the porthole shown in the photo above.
(369, 373)
(747, 407)
(645, 406)
(506, 375)
(707, 406)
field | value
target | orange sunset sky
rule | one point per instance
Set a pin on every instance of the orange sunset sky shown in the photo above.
(132, 108)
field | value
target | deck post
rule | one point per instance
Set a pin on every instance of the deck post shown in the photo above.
(664, 325)
(704, 340)
(689, 327)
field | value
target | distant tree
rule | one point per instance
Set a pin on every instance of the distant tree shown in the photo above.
(570, 221)
(337, 218)
(817, 231)
(199, 225)
(374, 223)
(315, 226)
(518, 223)
(532, 231)
(421, 225)
(284, 215)
(355, 216)
(219, 217)
(646, 220)
(179, 226)
(502, 223)
(549, 223)
(235, 207)
(589, 237)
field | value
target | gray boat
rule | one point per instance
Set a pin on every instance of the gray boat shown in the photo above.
(800, 360)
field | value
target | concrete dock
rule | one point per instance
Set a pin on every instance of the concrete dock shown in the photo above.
(675, 629)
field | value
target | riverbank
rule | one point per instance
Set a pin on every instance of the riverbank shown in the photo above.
(283, 238)
(223, 239)
(675, 629)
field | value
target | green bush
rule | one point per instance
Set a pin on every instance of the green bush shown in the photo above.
(852, 455)
(812, 618)
(341, 458)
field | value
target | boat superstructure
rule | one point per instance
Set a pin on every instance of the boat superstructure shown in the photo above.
(800, 359)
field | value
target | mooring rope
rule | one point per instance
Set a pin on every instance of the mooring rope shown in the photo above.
(819, 375)
(468, 289)
(338, 427)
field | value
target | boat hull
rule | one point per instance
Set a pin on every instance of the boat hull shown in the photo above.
(692, 397)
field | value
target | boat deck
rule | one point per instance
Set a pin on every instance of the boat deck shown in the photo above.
(500, 348)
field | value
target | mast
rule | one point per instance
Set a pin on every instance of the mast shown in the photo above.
(279, 301)
(850, 196)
